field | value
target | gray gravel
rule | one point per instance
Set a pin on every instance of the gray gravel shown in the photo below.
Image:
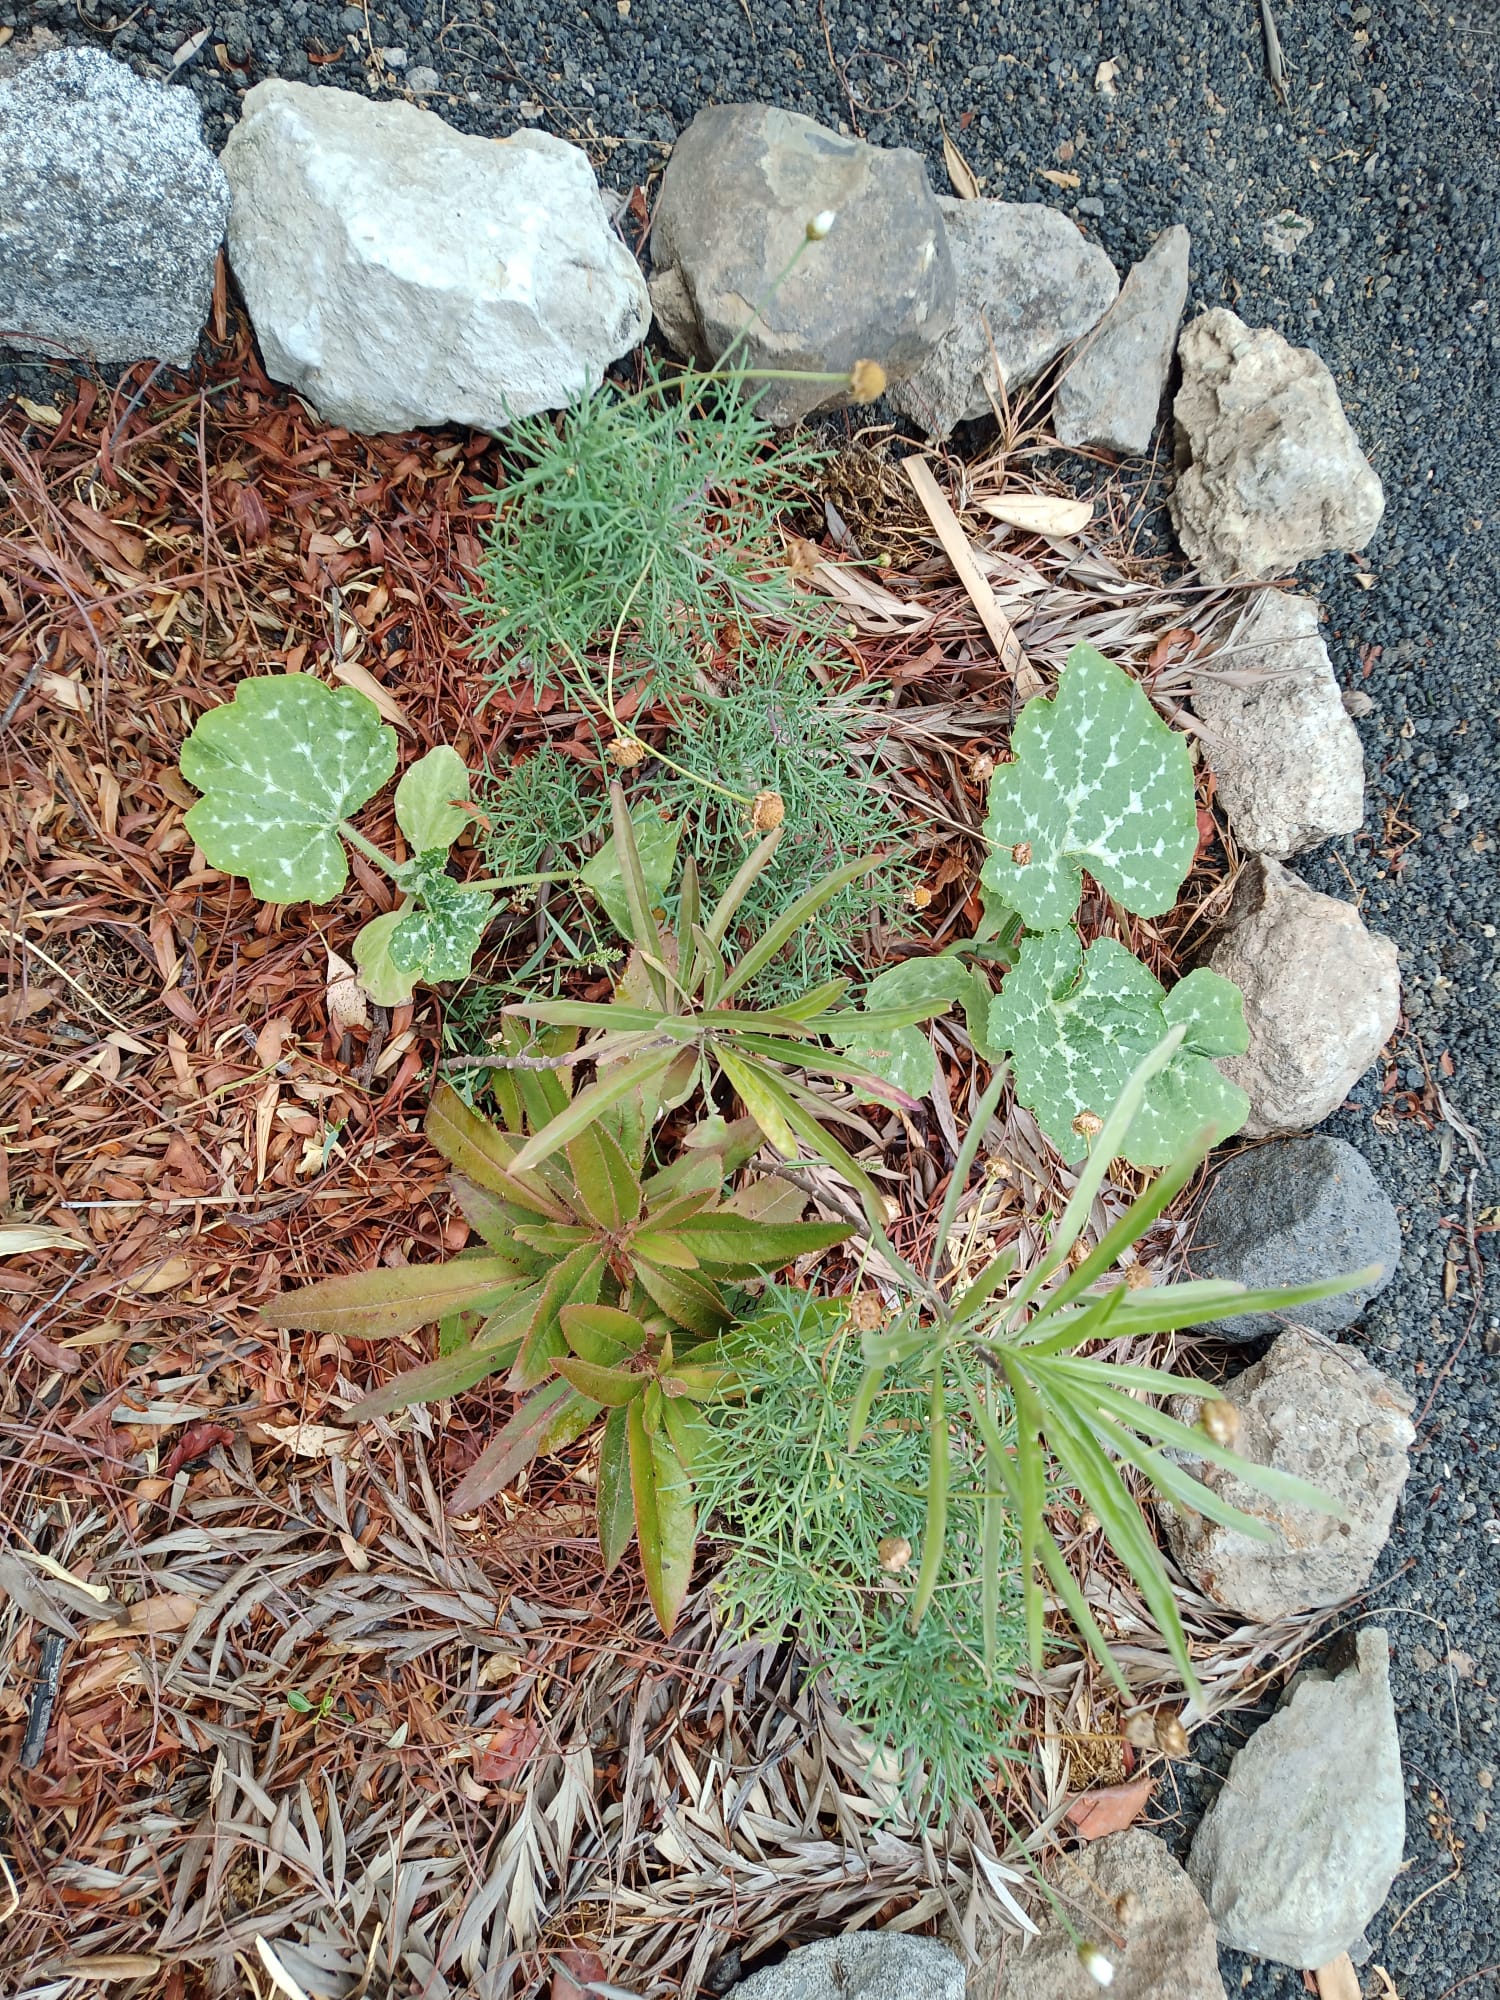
(1389, 149)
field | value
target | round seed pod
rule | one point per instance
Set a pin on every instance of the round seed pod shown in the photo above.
(894, 1553)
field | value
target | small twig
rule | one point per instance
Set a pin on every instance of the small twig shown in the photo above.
(81, 1270)
(1276, 68)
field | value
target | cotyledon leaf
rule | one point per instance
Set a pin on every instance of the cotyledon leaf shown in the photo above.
(1098, 781)
(279, 767)
(1078, 1022)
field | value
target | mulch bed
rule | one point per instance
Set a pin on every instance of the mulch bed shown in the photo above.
(253, 1684)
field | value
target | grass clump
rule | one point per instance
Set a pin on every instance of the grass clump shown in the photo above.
(822, 1547)
(656, 509)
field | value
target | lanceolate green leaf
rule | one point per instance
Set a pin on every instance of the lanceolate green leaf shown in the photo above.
(664, 1517)
(375, 1305)
(1078, 1023)
(615, 1500)
(279, 768)
(1098, 781)
(449, 1376)
(486, 1155)
(549, 1418)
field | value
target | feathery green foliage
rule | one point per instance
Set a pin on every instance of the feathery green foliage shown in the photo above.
(800, 1523)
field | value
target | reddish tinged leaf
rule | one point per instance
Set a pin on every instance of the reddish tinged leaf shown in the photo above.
(574, 1970)
(541, 1424)
(613, 1387)
(484, 1154)
(609, 1191)
(448, 1376)
(196, 1442)
(1110, 1808)
(507, 1753)
(739, 1244)
(383, 1304)
(602, 1334)
(575, 1281)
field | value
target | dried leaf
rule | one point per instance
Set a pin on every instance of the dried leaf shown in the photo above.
(277, 1973)
(1104, 78)
(18, 1239)
(960, 173)
(1057, 177)
(356, 676)
(163, 1277)
(188, 49)
(956, 547)
(312, 1440)
(344, 997)
(171, 1611)
(1338, 1980)
(1039, 513)
(1110, 1808)
(40, 413)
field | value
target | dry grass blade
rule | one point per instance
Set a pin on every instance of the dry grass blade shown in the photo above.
(1008, 648)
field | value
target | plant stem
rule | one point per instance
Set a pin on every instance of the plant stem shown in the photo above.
(522, 881)
(369, 850)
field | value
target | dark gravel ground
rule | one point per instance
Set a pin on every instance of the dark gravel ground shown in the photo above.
(1390, 149)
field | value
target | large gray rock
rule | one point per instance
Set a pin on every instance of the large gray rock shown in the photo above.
(1287, 760)
(1111, 392)
(743, 183)
(1269, 472)
(112, 210)
(1291, 1212)
(1029, 285)
(401, 273)
(1300, 1846)
(1167, 1951)
(860, 1965)
(1327, 1415)
(1322, 994)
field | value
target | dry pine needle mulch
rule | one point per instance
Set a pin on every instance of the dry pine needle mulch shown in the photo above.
(266, 1714)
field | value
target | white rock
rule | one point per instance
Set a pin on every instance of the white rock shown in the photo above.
(1269, 472)
(401, 273)
(1303, 1840)
(1322, 995)
(1029, 285)
(1327, 1415)
(1287, 759)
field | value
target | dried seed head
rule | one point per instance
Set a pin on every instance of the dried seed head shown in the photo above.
(820, 224)
(1128, 1908)
(1137, 1278)
(982, 767)
(767, 811)
(1220, 1421)
(1088, 1125)
(1079, 1254)
(1099, 1968)
(867, 1312)
(1088, 1522)
(894, 1552)
(1171, 1737)
(627, 752)
(1021, 853)
(921, 896)
(1140, 1729)
(866, 382)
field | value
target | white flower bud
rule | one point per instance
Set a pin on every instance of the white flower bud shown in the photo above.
(1100, 1969)
(820, 225)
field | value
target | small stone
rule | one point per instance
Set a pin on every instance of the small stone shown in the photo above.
(1029, 285)
(874, 282)
(1287, 760)
(399, 272)
(1327, 1415)
(1110, 393)
(112, 211)
(860, 1965)
(1322, 995)
(423, 80)
(1288, 1213)
(393, 58)
(1269, 472)
(1300, 1846)
(1166, 1951)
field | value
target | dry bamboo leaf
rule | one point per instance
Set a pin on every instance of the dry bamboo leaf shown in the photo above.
(44, 1562)
(277, 1973)
(960, 173)
(171, 1611)
(956, 547)
(1387, 1984)
(164, 1276)
(20, 1239)
(1338, 1980)
(352, 674)
(1039, 513)
(311, 1440)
